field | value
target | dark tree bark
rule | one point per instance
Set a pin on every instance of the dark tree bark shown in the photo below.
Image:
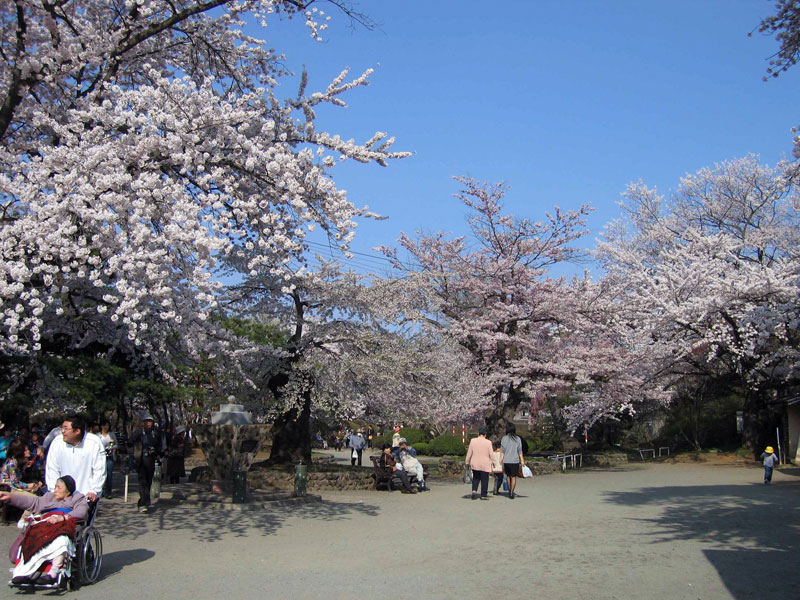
(291, 432)
(761, 419)
(503, 412)
(291, 440)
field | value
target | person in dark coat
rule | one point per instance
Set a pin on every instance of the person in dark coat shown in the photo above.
(176, 455)
(146, 445)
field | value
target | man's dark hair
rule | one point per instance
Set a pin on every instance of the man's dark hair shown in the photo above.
(16, 450)
(77, 422)
(385, 446)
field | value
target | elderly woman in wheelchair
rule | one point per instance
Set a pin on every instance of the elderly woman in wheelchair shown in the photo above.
(42, 551)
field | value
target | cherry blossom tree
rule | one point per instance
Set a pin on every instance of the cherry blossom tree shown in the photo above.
(142, 143)
(709, 276)
(785, 26)
(350, 348)
(590, 356)
(414, 376)
(529, 336)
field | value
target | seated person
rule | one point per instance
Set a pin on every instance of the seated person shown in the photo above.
(407, 457)
(19, 456)
(44, 545)
(388, 460)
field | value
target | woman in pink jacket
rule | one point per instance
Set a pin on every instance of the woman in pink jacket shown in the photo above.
(479, 459)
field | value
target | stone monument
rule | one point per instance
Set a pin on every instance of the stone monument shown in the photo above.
(230, 444)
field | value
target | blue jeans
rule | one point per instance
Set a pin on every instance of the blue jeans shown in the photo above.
(767, 474)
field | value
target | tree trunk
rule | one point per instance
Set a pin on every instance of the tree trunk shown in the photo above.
(559, 422)
(503, 412)
(291, 439)
(760, 421)
(123, 419)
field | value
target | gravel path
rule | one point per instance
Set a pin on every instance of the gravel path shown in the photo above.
(645, 531)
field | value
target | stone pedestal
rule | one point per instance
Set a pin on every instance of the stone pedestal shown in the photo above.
(230, 448)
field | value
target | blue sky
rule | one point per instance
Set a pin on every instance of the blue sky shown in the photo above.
(565, 101)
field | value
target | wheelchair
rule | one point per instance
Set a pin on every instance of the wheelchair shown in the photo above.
(84, 567)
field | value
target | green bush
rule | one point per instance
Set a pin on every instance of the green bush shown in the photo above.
(543, 436)
(379, 440)
(705, 418)
(413, 436)
(422, 447)
(447, 444)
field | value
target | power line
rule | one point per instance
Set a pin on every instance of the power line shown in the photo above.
(369, 262)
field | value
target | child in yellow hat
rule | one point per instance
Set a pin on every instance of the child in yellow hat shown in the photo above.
(770, 460)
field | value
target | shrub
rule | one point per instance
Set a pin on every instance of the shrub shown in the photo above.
(543, 436)
(422, 448)
(703, 419)
(447, 444)
(413, 435)
(379, 440)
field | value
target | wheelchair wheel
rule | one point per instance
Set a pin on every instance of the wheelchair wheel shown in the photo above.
(89, 555)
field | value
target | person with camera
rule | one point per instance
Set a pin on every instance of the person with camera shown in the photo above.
(146, 445)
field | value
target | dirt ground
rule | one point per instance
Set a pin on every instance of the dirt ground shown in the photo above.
(711, 458)
(663, 531)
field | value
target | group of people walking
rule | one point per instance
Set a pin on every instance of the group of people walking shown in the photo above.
(502, 459)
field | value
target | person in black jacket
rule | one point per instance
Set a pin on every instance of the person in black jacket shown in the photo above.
(178, 448)
(146, 444)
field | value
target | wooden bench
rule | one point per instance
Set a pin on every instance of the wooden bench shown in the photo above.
(387, 477)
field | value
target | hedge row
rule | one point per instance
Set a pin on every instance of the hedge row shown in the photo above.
(444, 445)
(424, 443)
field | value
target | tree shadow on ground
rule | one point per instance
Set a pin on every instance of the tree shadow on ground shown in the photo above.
(753, 531)
(790, 471)
(218, 523)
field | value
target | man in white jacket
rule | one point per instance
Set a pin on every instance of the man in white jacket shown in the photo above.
(79, 454)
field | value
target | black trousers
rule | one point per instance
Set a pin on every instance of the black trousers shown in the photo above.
(481, 477)
(145, 472)
(353, 460)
